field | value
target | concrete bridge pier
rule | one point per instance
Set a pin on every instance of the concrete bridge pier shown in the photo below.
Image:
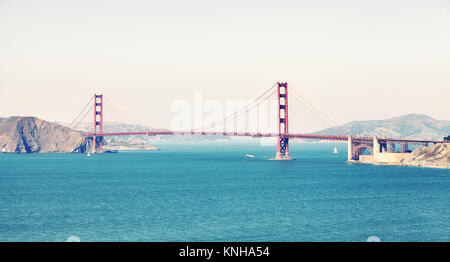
(376, 147)
(349, 148)
(403, 147)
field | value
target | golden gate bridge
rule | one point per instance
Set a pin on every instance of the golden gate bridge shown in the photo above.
(290, 111)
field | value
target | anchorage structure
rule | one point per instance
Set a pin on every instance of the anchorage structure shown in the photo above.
(283, 127)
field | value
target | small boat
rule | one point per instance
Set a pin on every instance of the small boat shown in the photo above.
(249, 156)
(335, 150)
(111, 151)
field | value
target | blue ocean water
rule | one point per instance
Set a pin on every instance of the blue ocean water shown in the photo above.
(211, 192)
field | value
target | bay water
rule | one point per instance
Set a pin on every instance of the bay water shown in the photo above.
(212, 192)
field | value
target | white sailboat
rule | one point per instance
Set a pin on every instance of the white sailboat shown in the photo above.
(335, 150)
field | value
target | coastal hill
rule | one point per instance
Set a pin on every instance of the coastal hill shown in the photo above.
(411, 126)
(33, 135)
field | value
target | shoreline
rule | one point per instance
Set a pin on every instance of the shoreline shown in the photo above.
(436, 156)
(395, 164)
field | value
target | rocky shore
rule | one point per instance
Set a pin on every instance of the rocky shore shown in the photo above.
(33, 135)
(437, 156)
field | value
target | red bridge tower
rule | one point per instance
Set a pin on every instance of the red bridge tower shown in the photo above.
(283, 128)
(97, 144)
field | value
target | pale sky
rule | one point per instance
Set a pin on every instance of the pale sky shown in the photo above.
(354, 60)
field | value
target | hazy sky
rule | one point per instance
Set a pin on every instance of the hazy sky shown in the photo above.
(355, 60)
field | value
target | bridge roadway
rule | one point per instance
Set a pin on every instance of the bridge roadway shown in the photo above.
(243, 134)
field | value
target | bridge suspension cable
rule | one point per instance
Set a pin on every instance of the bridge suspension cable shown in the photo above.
(81, 112)
(128, 118)
(81, 119)
(265, 96)
(312, 109)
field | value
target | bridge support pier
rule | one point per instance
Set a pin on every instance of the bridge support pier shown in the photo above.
(282, 149)
(403, 147)
(356, 147)
(376, 147)
(94, 144)
(349, 148)
(391, 147)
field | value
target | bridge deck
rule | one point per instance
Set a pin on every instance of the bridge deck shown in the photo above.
(243, 134)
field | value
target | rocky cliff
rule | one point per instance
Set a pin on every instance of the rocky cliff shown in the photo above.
(433, 156)
(33, 135)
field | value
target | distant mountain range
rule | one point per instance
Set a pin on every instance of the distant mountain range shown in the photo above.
(125, 127)
(411, 126)
(112, 127)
